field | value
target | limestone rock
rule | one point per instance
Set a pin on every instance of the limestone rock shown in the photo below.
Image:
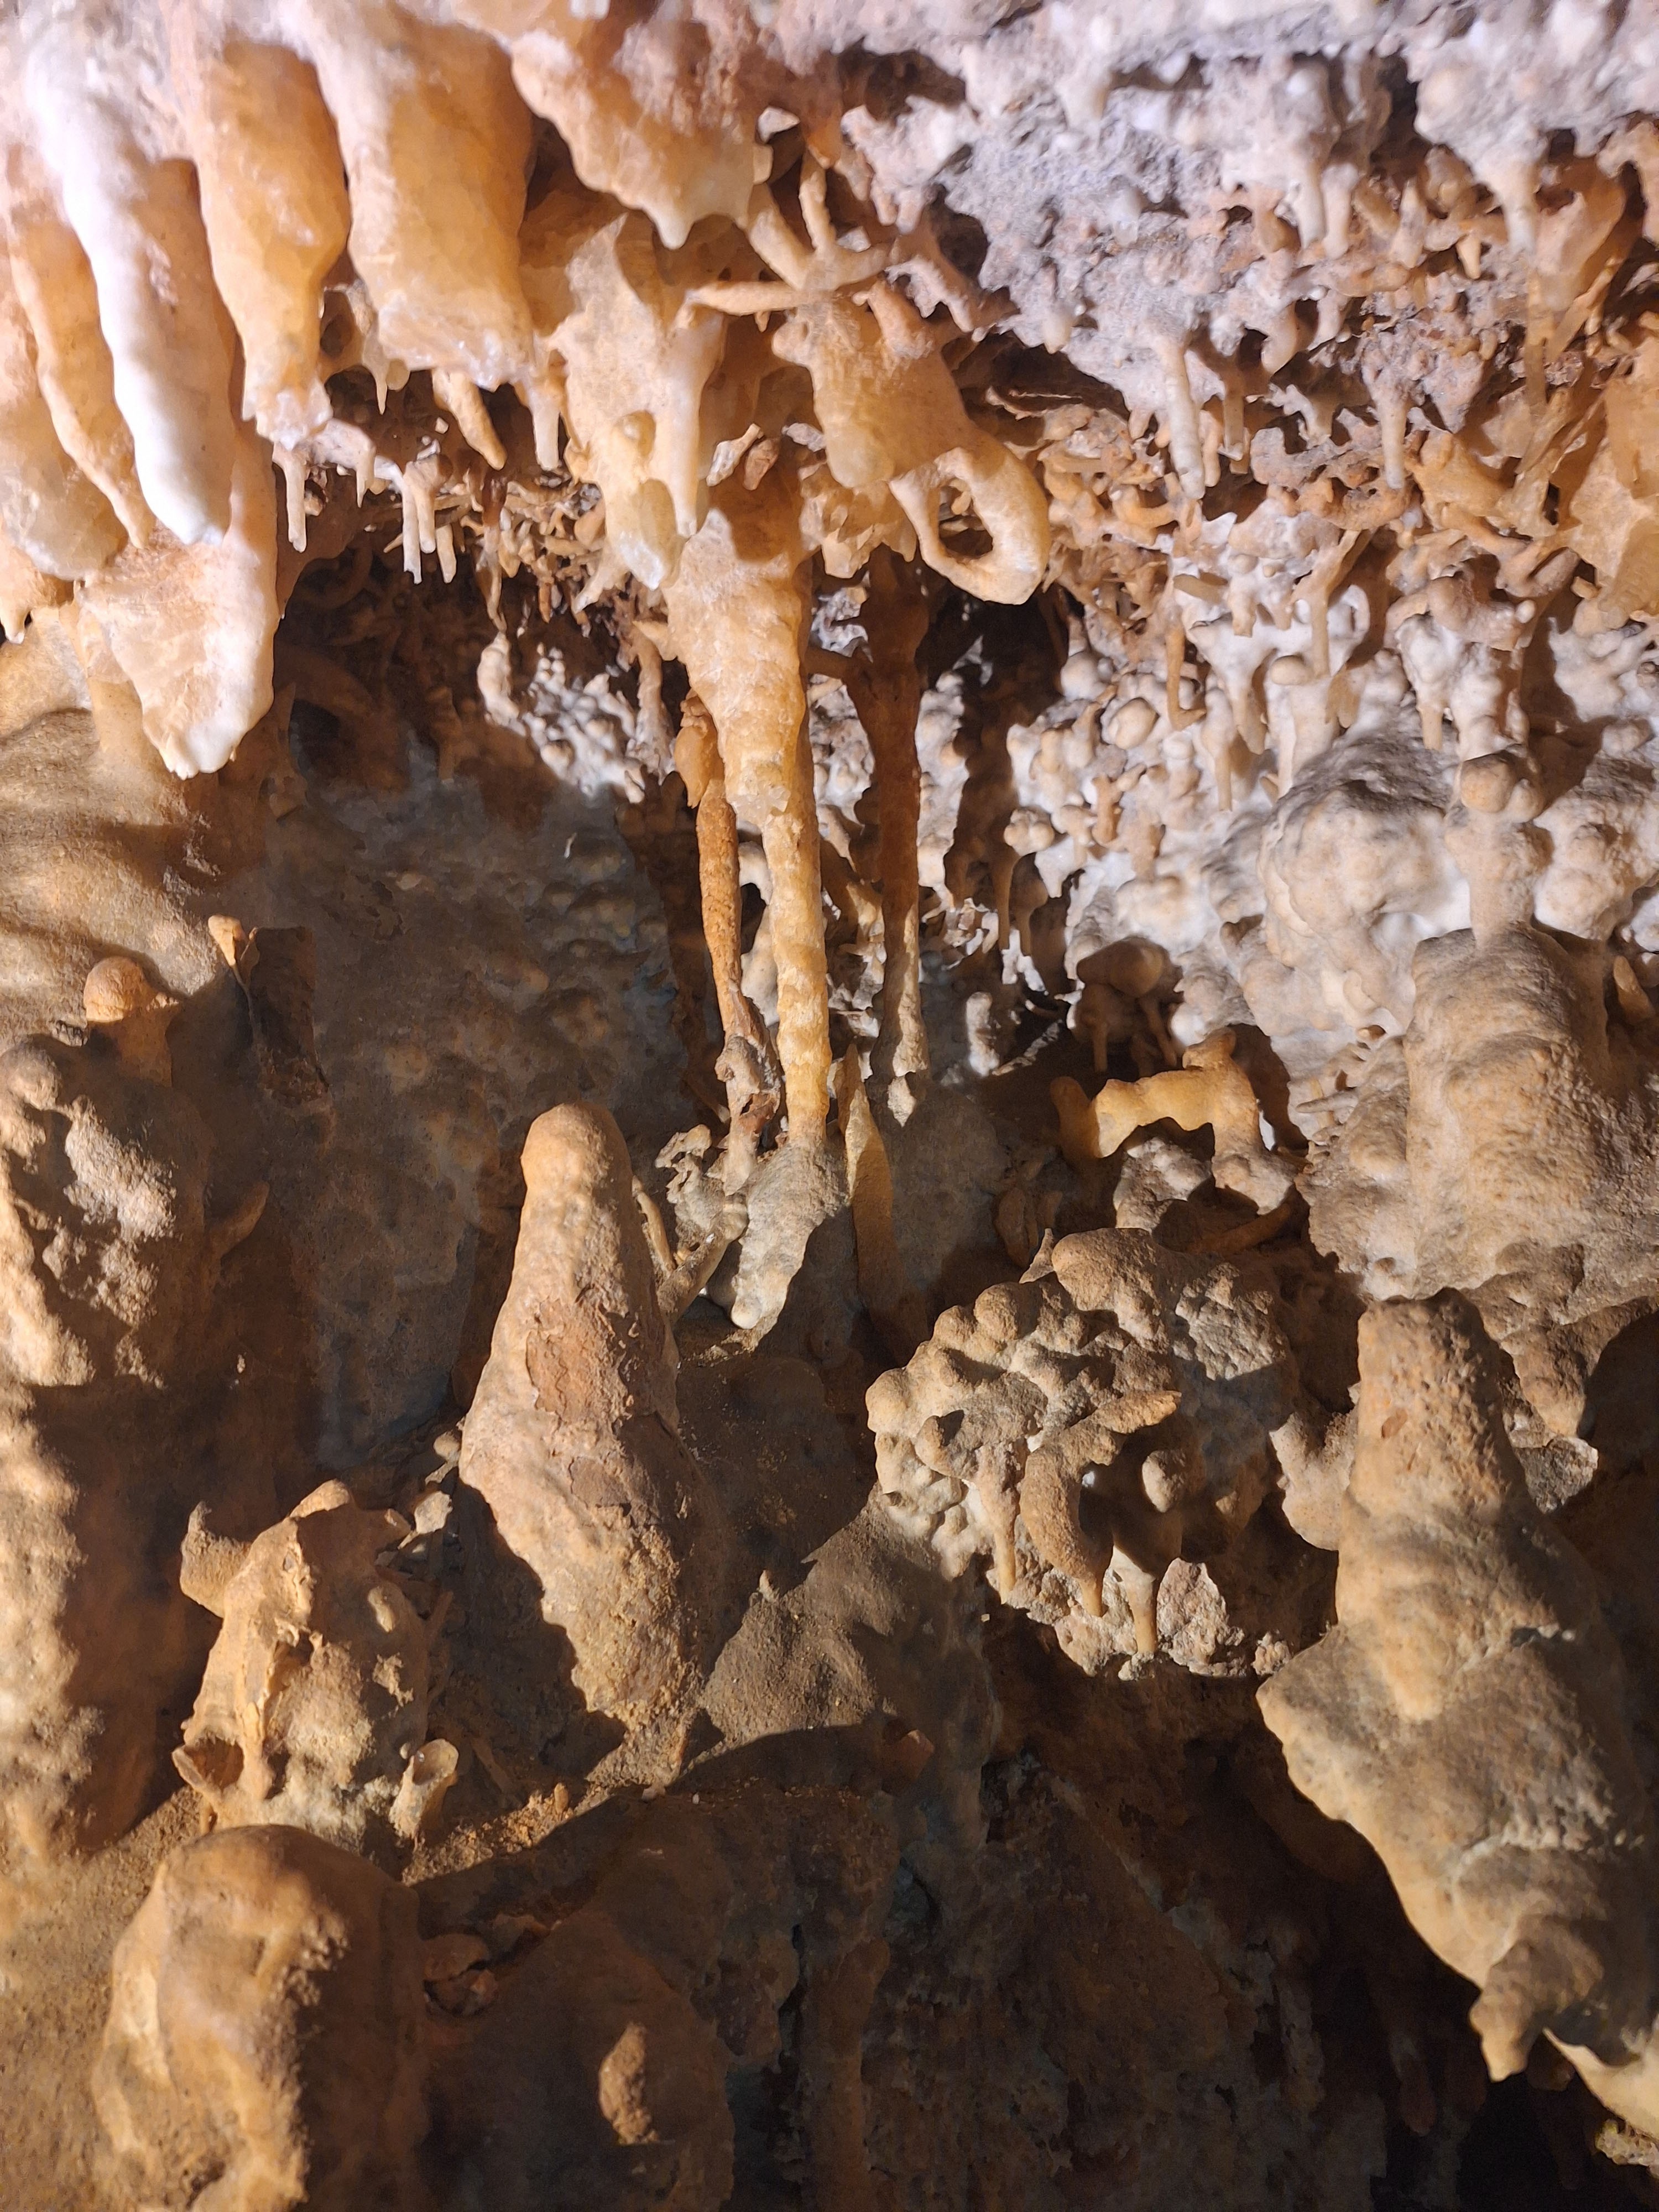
(110, 1263)
(1505, 1147)
(606, 2085)
(263, 2047)
(1468, 1716)
(313, 1712)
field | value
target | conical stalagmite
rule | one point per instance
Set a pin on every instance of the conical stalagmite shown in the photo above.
(572, 1441)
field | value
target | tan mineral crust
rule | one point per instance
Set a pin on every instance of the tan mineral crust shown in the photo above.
(828, 1105)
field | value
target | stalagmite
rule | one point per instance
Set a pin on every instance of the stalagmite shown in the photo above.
(312, 1709)
(1467, 1714)
(265, 2036)
(572, 1441)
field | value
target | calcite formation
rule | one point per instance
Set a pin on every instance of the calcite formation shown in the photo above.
(264, 2040)
(1469, 1715)
(828, 913)
(573, 1444)
(1088, 1426)
(312, 1709)
(111, 1263)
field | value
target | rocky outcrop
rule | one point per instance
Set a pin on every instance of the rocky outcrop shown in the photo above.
(111, 1259)
(263, 2045)
(1468, 1714)
(312, 1711)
